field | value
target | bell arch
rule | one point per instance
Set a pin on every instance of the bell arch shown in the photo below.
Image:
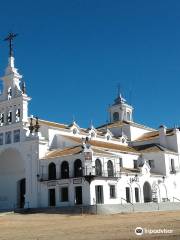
(12, 172)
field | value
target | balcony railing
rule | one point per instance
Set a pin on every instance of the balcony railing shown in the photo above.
(103, 174)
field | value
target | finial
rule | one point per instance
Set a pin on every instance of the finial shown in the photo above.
(31, 127)
(23, 87)
(10, 38)
(36, 126)
(74, 120)
(118, 89)
(91, 123)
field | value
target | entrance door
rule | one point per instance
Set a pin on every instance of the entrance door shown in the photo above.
(99, 194)
(147, 192)
(137, 194)
(128, 197)
(52, 197)
(78, 195)
(22, 191)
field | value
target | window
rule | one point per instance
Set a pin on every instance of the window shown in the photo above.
(115, 116)
(92, 134)
(112, 191)
(64, 170)
(8, 137)
(120, 162)
(16, 135)
(98, 167)
(18, 115)
(64, 194)
(52, 171)
(128, 196)
(1, 138)
(9, 117)
(1, 119)
(78, 168)
(135, 163)
(74, 131)
(9, 93)
(110, 168)
(151, 163)
(108, 137)
(172, 166)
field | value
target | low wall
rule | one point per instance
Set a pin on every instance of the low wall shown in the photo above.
(106, 208)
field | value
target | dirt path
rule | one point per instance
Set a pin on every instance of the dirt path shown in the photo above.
(87, 227)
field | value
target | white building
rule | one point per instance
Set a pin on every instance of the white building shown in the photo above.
(45, 164)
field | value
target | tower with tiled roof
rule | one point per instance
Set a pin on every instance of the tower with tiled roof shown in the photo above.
(120, 110)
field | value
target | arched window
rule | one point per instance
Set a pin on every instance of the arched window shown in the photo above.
(52, 171)
(98, 168)
(64, 170)
(110, 168)
(115, 116)
(78, 168)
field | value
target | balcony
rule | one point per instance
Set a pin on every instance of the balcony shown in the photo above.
(86, 174)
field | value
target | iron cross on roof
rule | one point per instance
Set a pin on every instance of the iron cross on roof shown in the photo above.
(10, 38)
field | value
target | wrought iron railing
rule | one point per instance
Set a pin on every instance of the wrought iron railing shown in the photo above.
(106, 174)
(174, 198)
(127, 202)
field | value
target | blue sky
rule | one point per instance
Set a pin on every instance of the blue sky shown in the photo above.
(74, 53)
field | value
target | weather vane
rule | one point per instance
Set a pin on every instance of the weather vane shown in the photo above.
(10, 38)
(119, 89)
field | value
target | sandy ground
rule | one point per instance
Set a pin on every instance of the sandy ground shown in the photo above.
(87, 227)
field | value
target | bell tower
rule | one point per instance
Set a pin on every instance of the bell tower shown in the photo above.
(13, 100)
(120, 110)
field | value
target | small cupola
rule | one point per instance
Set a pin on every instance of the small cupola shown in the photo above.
(120, 110)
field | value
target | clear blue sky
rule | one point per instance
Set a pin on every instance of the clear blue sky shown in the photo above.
(73, 54)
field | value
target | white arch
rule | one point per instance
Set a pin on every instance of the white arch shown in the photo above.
(163, 192)
(136, 185)
(147, 192)
(131, 193)
(156, 192)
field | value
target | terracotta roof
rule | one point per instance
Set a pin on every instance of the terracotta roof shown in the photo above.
(153, 148)
(130, 170)
(100, 151)
(153, 134)
(104, 145)
(122, 123)
(51, 124)
(115, 124)
(148, 136)
(63, 152)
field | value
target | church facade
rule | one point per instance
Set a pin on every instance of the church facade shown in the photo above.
(48, 164)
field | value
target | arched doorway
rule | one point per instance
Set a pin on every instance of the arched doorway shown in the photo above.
(12, 179)
(147, 192)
